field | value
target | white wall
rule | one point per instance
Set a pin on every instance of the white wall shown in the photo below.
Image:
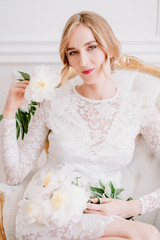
(30, 32)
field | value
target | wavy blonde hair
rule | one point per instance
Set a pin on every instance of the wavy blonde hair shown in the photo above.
(102, 33)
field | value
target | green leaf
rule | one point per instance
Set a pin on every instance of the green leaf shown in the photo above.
(106, 195)
(130, 198)
(25, 122)
(89, 201)
(33, 108)
(130, 218)
(112, 187)
(96, 195)
(118, 191)
(96, 192)
(98, 201)
(95, 189)
(18, 116)
(18, 129)
(1, 117)
(34, 103)
(20, 79)
(26, 76)
(112, 195)
(23, 118)
(29, 117)
(101, 185)
(108, 190)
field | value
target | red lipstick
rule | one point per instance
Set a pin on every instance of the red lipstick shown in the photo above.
(88, 71)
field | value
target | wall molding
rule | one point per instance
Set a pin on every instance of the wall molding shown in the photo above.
(148, 50)
(45, 50)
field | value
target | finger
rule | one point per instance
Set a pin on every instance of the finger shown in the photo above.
(102, 200)
(106, 200)
(94, 200)
(94, 206)
(93, 212)
(19, 84)
(18, 90)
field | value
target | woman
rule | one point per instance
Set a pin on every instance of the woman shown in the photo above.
(93, 126)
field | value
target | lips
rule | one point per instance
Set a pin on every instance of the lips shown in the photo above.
(88, 71)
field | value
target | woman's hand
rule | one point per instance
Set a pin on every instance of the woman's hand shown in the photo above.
(15, 99)
(109, 207)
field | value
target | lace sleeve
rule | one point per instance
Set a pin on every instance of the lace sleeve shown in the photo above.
(150, 129)
(19, 160)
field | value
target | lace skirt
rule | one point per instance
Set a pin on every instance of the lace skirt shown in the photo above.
(86, 227)
(90, 226)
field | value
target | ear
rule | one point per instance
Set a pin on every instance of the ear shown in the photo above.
(109, 57)
(110, 53)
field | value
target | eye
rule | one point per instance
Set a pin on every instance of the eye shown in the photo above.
(92, 47)
(72, 53)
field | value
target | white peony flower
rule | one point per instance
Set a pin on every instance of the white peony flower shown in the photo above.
(42, 84)
(38, 211)
(68, 204)
(56, 201)
(50, 182)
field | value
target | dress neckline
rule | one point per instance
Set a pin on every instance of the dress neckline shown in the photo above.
(96, 100)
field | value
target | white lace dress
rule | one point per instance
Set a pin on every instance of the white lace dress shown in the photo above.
(96, 136)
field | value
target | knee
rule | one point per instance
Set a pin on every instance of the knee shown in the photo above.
(142, 231)
(154, 234)
(150, 233)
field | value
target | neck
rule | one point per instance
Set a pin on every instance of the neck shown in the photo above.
(102, 90)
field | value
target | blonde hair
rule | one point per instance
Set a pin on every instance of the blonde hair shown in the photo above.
(102, 33)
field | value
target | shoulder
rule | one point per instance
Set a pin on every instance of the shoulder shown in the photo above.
(66, 89)
(135, 102)
(131, 96)
(63, 95)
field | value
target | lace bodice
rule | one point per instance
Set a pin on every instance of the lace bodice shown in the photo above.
(96, 136)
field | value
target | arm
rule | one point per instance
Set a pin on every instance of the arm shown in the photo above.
(150, 129)
(18, 161)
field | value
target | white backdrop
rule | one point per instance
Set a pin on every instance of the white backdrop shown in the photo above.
(30, 32)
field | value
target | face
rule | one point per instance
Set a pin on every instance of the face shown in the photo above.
(85, 55)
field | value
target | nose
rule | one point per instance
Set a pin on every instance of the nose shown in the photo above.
(83, 59)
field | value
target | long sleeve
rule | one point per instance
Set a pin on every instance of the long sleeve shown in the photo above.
(18, 160)
(150, 129)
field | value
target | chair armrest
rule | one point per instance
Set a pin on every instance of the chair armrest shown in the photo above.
(2, 233)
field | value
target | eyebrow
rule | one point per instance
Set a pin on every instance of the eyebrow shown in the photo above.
(71, 48)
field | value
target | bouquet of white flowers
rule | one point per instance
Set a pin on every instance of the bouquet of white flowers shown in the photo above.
(57, 199)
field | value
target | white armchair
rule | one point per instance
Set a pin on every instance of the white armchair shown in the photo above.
(143, 174)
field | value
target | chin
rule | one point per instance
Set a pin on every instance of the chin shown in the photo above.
(89, 80)
(91, 83)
